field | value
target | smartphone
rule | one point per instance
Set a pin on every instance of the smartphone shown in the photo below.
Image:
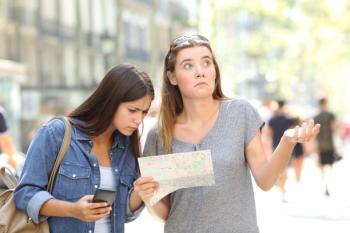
(103, 195)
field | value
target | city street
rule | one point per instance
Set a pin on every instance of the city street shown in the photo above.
(306, 209)
(201, 75)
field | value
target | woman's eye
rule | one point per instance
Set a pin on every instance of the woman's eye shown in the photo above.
(187, 66)
(132, 110)
(207, 63)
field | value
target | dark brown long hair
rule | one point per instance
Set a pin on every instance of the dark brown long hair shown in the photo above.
(123, 83)
(171, 101)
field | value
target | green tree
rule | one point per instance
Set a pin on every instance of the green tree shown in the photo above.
(286, 48)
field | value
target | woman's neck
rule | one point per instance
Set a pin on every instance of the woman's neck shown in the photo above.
(103, 138)
(199, 111)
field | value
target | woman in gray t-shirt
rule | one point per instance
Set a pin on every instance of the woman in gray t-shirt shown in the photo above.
(195, 115)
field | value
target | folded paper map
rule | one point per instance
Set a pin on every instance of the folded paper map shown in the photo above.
(178, 170)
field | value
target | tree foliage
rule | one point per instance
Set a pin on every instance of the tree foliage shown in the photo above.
(295, 49)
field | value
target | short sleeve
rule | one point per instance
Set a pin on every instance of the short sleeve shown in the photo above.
(253, 123)
(150, 147)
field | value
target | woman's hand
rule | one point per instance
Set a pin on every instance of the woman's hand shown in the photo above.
(303, 133)
(85, 210)
(145, 188)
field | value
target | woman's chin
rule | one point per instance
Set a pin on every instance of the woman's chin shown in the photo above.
(127, 132)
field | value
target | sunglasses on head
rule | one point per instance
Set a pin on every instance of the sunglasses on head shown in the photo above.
(188, 40)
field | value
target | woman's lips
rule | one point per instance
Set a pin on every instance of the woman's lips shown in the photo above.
(201, 83)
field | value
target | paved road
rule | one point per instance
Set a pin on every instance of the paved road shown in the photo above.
(306, 210)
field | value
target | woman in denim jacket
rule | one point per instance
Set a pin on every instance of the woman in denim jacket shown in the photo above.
(102, 154)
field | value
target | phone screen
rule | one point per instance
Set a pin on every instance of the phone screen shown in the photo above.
(102, 195)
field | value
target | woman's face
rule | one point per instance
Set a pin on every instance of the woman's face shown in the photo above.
(194, 72)
(130, 115)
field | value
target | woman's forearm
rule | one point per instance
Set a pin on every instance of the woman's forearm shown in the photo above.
(160, 210)
(135, 201)
(276, 164)
(57, 208)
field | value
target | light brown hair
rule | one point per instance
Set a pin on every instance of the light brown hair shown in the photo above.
(171, 101)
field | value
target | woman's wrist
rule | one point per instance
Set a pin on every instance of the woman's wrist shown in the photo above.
(135, 200)
(71, 207)
(287, 141)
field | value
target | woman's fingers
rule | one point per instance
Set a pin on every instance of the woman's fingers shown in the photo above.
(303, 133)
(102, 210)
(311, 130)
(308, 130)
(144, 183)
(145, 187)
(86, 210)
(142, 180)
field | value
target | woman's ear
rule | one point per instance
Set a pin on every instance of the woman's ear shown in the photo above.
(171, 78)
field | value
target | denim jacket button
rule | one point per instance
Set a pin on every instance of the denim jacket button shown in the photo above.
(94, 164)
(74, 175)
(116, 170)
(90, 231)
(96, 186)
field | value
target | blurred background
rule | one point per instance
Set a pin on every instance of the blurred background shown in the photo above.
(54, 52)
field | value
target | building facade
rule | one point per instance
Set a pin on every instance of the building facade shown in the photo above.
(68, 45)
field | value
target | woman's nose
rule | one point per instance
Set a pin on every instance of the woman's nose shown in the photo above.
(199, 72)
(138, 118)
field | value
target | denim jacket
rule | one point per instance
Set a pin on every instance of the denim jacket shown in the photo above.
(77, 176)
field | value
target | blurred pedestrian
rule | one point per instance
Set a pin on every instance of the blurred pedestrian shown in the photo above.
(6, 142)
(196, 115)
(345, 133)
(297, 159)
(325, 141)
(8, 156)
(278, 124)
(102, 154)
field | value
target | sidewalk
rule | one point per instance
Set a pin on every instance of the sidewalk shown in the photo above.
(306, 209)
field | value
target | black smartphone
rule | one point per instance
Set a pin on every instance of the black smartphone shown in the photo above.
(103, 195)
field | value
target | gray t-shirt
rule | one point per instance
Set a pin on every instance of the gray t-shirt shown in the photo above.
(229, 205)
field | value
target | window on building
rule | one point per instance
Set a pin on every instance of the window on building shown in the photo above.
(109, 16)
(136, 41)
(29, 57)
(84, 9)
(99, 68)
(85, 69)
(69, 64)
(48, 65)
(29, 12)
(97, 23)
(48, 9)
(68, 19)
(48, 14)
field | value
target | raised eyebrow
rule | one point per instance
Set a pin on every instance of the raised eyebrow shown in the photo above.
(186, 60)
(203, 58)
(207, 57)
